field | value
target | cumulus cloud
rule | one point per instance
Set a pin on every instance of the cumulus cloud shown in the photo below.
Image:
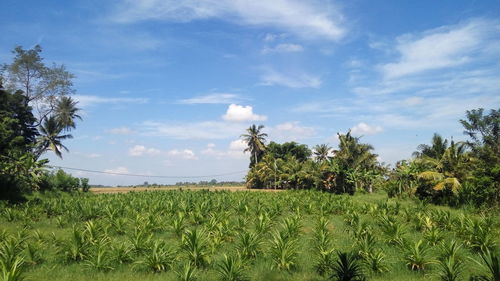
(140, 150)
(216, 98)
(292, 80)
(239, 113)
(316, 19)
(283, 48)
(365, 129)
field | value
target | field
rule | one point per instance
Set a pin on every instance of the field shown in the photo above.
(222, 235)
(123, 189)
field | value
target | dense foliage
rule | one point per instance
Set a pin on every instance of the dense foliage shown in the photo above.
(443, 172)
(290, 166)
(35, 115)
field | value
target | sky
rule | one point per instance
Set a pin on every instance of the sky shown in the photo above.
(166, 88)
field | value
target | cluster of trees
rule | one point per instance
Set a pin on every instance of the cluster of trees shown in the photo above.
(294, 166)
(452, 172)
(36, 115)
(443, 172)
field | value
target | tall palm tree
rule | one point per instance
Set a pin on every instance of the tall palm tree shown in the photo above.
(322, 152)
(255, 140)
(66, 112)
(51, 138)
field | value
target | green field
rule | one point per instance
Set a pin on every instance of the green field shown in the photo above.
(157, 235)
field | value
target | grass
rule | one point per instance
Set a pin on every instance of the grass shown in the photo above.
(201, 235)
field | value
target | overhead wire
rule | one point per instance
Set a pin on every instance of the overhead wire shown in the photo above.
(147, 176)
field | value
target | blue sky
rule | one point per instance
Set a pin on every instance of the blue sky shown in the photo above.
(167, 87)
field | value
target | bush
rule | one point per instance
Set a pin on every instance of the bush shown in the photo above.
(63, 181)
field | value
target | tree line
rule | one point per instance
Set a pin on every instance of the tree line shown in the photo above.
(442, 172)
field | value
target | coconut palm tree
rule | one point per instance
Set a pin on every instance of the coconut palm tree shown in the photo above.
(255, 140)
(51, 138)
(322, 152)
(447, 170)
(66, 112)
(435, 150)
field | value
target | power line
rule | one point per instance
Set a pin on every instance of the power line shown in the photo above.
(146, 176)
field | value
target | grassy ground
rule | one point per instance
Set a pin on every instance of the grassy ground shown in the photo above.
(49, 222)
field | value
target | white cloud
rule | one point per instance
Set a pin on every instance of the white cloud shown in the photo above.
(291, 131)
(184, 154)
(363, 129)
(317, 19)
(118, 170)
(121, 131)
(295, 80)
(216, 98)
(84, 101)
(239, 113)
(139, 150)
(444, 47)
(283, 48)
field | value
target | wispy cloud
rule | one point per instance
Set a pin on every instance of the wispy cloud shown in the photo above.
(271, 77)
(121, 131)
(234, 150)
(193, 130)
(283, 48)
(291, 131)
(215, 98)
(85, 101)
(444, 47)
(306, 19)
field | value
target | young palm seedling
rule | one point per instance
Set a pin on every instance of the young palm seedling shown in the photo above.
(347, 268)
(195, 245)
(417, 257)
(187, 272)
(450, 269)
(248, 245)
(12, 271)
(99, 257)
(230, 269)
(159, 259)
(283, 251)
(490, 264)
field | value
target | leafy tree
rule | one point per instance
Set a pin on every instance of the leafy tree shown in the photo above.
(484, 132)
(40, 84)
(300, 151)
(19, 170)
(45, 90)
(255, 140)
